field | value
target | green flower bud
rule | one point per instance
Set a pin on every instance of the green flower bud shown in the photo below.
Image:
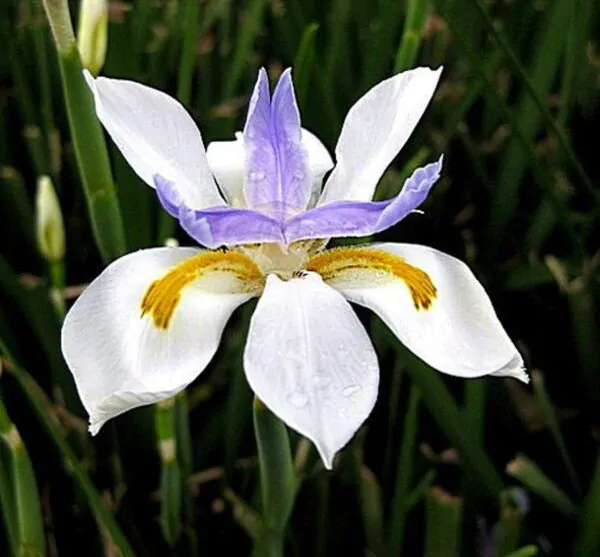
(92, 32)
(50, 229)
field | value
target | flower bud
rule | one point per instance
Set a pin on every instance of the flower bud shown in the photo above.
(92, 32)
(50, 229)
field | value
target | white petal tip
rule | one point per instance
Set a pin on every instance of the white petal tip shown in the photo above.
(521, 375)
(94, 427)
(515, 371)
(327, 458)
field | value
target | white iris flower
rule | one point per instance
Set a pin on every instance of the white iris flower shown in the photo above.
(152, 321)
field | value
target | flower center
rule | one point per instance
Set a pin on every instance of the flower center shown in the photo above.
(283, 261)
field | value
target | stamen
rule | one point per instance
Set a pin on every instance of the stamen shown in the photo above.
(343, 262)
(163, 295)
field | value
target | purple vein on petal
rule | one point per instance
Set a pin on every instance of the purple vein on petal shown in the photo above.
(356, 218)
(218, 226)
(276, 173)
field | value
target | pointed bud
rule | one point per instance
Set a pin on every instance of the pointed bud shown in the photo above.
(92, 32)
(49, 222)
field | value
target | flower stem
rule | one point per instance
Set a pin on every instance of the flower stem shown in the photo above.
(278, 483)
(171, 483)
(26, 529)
(411, 36)
(88, 139)
(42, 408)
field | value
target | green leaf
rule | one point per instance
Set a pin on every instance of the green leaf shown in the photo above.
(534, 479)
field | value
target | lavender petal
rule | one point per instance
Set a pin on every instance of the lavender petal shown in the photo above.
(218, 226)
(294, 170)
(277, 178)
(357, 218)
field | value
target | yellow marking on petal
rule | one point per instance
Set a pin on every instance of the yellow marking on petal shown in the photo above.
(353, 262)
(163, 295)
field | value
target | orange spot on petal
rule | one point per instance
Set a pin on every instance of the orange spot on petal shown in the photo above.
(205, 270)
(367, 265)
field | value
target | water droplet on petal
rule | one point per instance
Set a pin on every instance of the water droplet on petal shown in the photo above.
(350, 390)
(256, 175)
(298, 399)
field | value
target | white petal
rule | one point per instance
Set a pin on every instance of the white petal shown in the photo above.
(226, 161)
(375, 130)
(156, 136)
(309, 359)
(458, 334)
(121, 360)
(319, 161)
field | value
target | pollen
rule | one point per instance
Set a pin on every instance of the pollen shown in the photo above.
(367, 264)
(212, 271)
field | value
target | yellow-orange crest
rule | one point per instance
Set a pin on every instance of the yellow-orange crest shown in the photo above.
(365, 264)
(212, 271)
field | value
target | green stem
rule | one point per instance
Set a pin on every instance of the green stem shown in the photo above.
(443, 516)
(543, 399)
(27, 519)
(39, 36)
(411, 36)
(88, 139)
(251, 27)
(170, 481)
(588, 538)
(7, 506)
(585, 332)
(404, 474)
(278, 483)
(444, 409)
(42, 408)
(303, 63)
(31, 131)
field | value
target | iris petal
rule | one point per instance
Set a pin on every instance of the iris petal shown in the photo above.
(311, 362)
(156, 135)
(361, 218)
(221, 225)
(122, 353)
(374, 131)
(456, 332)
(277, 178)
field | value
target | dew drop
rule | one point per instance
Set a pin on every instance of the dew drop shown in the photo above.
(298, 399)
(350, 390)
(256, 175)
(298, 174)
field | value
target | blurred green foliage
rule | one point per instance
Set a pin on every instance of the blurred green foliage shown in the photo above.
(442, 467)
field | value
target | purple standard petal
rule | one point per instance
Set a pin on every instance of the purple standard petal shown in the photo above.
(357, 218)
(277, 178)
(218, 226)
